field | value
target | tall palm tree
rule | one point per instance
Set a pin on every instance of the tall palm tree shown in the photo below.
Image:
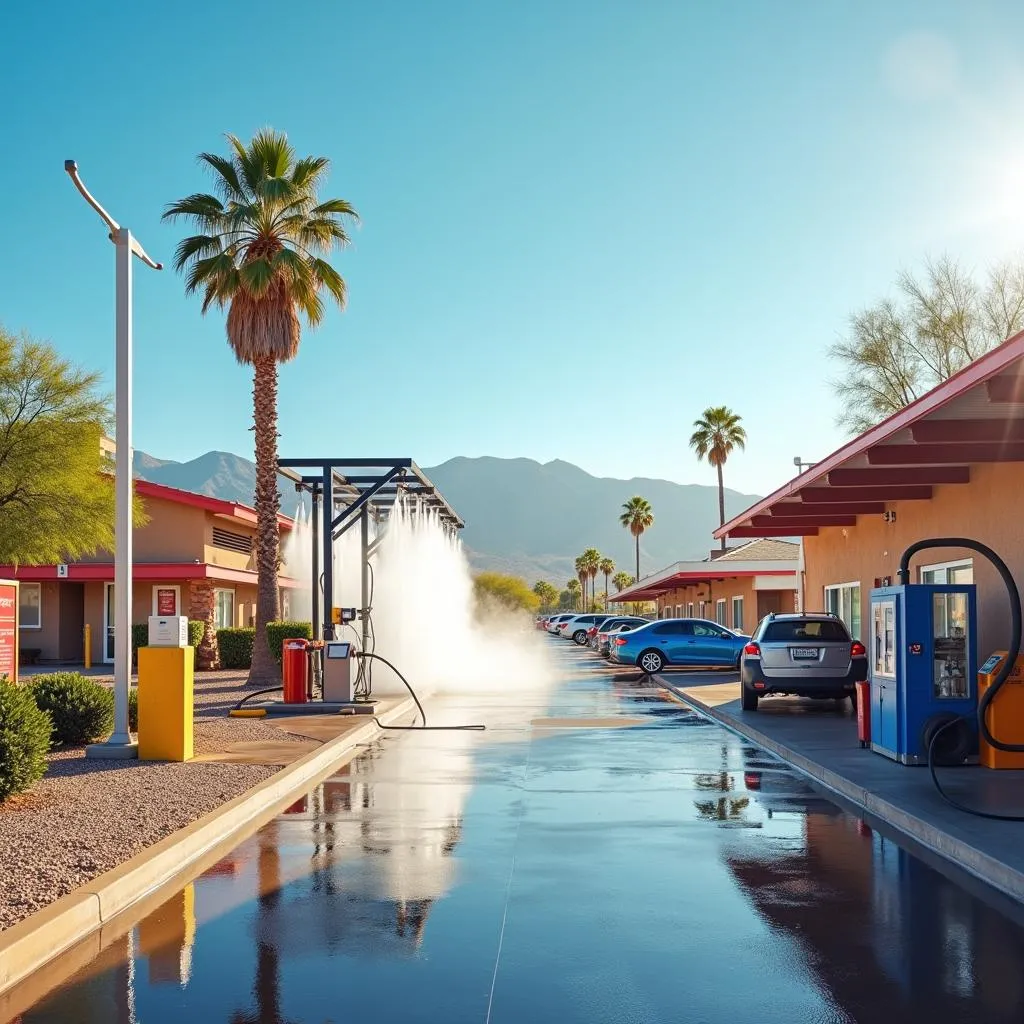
(622, 580)
(637, 516)
(573, 586)
(607, 567)
(715, 436)
(582, 574)
(259, 252)
(592, 560)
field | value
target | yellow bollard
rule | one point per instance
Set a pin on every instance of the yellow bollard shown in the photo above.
(165, 703)
(87, 639)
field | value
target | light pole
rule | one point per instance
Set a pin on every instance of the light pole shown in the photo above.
(120, 744)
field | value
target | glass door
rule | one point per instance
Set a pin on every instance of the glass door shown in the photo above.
(108, 623)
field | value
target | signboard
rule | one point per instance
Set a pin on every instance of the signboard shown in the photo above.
(166, 601)
(9, 629)
(62, 571)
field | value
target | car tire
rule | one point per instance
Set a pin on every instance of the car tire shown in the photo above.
(580, 637)
(748, 699)
(650, 662)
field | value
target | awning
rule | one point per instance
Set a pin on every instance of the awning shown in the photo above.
(975, 417)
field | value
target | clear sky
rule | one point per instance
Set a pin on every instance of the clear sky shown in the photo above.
(582, 222)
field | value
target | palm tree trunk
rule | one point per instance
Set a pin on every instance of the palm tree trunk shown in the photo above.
(606, 591)
(721, 501)
(264, 670)
(638, 557)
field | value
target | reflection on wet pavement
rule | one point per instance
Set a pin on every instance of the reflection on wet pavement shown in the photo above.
(661, 871)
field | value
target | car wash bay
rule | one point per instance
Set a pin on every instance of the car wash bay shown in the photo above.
(601, 853)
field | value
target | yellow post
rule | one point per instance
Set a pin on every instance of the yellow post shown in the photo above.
(87, 640)
(165, 703)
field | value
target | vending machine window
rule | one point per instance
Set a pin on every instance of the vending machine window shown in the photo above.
(883, 638)
(950, 678)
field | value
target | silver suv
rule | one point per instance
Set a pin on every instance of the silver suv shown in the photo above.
(809, 655)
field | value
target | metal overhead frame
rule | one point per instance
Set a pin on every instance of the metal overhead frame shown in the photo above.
(349, 491)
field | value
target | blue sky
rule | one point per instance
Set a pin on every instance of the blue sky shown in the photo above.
(582, 222)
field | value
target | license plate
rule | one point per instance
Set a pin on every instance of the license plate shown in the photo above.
(805, 653)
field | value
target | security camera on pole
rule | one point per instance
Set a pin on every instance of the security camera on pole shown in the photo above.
(120, 744)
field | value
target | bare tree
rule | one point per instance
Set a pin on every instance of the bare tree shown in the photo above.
(942, 320)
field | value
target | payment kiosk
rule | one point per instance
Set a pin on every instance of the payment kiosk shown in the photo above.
(922, 663)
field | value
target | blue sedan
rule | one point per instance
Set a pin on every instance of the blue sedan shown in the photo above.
(678, 642)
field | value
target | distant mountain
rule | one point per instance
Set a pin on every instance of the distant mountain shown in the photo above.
(522, 517)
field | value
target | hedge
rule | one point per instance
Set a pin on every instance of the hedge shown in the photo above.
(24, 739)
(235, 647)
(278, 632)
(81, 710)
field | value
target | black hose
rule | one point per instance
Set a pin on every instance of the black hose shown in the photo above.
(256, 693)
(1004, 673)
(419, 706)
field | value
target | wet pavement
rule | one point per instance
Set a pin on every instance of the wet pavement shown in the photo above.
(600, 854)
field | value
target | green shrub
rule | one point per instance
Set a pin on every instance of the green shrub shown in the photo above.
(24, 739)
(81, 710)
(196, 629)
(278, 632)
(234, 647)
(133, 709)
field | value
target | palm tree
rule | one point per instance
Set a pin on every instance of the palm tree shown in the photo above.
(582, 574)
(592, 560)
(716, 435)
(573, 586)
(622, 580)
(607, 567)
(637, 516)
(259, 253)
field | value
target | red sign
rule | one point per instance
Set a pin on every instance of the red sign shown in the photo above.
(9, 630)
(167, 602)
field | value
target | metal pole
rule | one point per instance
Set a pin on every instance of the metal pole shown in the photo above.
(120, 744)
(364, 526)
(315, 519)
(328, 543)
(123, 493)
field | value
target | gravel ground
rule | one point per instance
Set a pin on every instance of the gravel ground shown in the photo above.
(86, 817)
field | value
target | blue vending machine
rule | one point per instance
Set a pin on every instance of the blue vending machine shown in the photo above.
(922, 663)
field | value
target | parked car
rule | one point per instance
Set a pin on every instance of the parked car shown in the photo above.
(576, 628)
(678, 642)
(556, 620)
(613, 625)
(809, 655)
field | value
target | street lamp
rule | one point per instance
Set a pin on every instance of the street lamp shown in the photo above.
(120, 744)
(801, 465)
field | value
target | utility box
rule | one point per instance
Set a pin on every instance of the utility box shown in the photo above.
(1005, 715)
(166, 705)
(337, 672)
(168, 631)
(922, 660)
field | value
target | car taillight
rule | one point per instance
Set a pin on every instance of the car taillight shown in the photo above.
(619, 641)
(857, 649)
(754, 650)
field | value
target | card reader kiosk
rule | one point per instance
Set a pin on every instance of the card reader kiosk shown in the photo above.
(337, 672)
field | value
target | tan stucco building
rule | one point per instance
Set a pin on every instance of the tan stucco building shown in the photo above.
(195, 557)
(736, 588)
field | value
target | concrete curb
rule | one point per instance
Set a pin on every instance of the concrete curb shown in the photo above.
(988, 869)
(29, 944)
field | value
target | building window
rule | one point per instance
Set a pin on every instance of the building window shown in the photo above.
(720, 611)
(843, 600)
(223, 609)
(679, 611)
(689, 610)
(703, 606)
(30, 611)
(949, 572)
(737, 613)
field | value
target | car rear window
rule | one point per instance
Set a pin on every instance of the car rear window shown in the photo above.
(809, 629)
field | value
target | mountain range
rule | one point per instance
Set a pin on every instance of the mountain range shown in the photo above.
(523, 517)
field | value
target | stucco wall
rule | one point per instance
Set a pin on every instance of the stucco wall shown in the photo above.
(983, 510)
